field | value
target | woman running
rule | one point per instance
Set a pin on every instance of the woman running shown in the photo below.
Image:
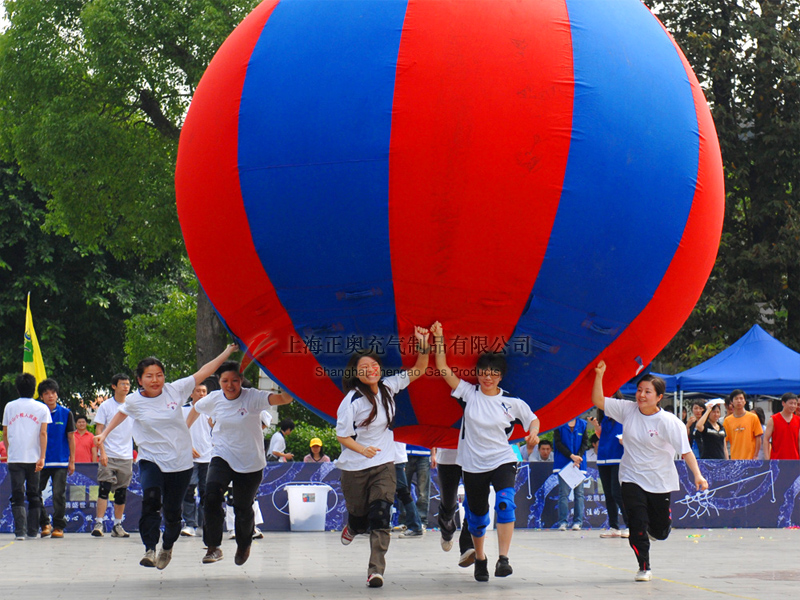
(238, 457)
(165, 450)
(484, 454)
(647, 470)
(363, 428)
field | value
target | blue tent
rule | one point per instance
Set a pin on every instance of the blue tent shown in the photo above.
(756, 363)
(629, 389)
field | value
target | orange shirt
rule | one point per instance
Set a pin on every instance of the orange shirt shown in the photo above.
(742, 432)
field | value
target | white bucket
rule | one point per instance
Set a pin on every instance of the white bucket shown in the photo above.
(308, 505)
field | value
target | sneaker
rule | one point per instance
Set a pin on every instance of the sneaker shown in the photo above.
(644, 575)
(118, 531)
(97, 530)
(399, 528)
(502, 568)
(611, 533)
(232, 536)
(57, 533)
(149, 559)
(447, 545)
(347, 535)
(35, 536)
(625, 533)
(213, 555)
(652, 538)
(576, 527)
(188, 532)
(467, 558)
(562, 527)
(482, 570)
(47, 530)
(242, 554)
(375, 580)
(410, 533)
(257, 535)
(19, 537)
(164, 556)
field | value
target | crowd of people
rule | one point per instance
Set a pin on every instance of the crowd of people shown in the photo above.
(212, 448)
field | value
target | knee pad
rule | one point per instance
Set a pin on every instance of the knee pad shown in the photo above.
(120, 496)
(477, 524)
(103, 490)
(357, 524)
(151, 500)
(504, 506)
(379, 515)
(405, 496)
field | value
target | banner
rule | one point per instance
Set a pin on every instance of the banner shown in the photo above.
(32, 361)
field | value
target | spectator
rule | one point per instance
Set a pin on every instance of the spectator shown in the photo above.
(541, 452)
(609, 455)
(201, 455)
(277, 445)
(743, 429)
(419, 465)
(783, 432)
(25, 434)
(317, 454)
(762, 418)
(407, 509)
(698, 408)
(570, 441)
(591, 453)
(711, 433)
(85, 450)
(59, 461)
(115, 457)
(3, 452)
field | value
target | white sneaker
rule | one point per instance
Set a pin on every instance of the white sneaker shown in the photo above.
(97, 530)
(625, 533)
(562, 527)
(19, 538)
(232, 536)
(576, 527)
(611, 533)
(644, 575)
(188, 532)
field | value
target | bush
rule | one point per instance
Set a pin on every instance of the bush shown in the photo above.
(298, 442)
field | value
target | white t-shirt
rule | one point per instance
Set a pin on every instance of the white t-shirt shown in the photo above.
(486, 427)
(237, 435)
(651, 442)
(201, 436)
(400, 450)
(24, 419)
(119, 443)
(446, 456)
(159, 427)
(353, 411)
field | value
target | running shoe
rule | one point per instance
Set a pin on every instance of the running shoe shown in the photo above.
(467, 558)
(447, 545)
(347, 535)
(611, 533)
(257, 535)
(562, 527)
(410, 533)
(502, 568)
(188, 532)
(97, 530)
(213, 555)
(164, 556)
(149, 559)
(19, 537)
(118, 532)
(644, 575)
(625, 533)
(375, 580)
(576, 527)
(482, 570)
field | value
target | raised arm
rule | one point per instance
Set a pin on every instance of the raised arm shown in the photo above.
(423, 352)
(208, 369)
(280, 399)
(701, 422)
(598, 397)
(441, 357)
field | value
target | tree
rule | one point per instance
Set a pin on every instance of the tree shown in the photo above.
(745, 54)
(93, 98)
(79, 298)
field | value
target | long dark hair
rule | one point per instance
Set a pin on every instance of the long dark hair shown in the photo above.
(350, 382)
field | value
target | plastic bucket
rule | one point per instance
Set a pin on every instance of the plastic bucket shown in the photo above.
(308, 505)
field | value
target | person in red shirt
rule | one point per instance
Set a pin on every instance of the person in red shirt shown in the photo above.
(783, 431)
(85, 450)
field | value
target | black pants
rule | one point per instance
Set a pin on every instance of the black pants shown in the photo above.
(609, 477)
(161, 490)
(449, 476)
(58, 476)
(645, 513)
(245, 488)
(25, 482)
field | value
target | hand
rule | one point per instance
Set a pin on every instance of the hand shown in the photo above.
(422, 337)
(691, 420)
(600, 369)
(71, 467)
(98, 440)
(436, 329)
(39, 465)
(593, 421)
(370, 451)
(104, 459)
(288, 456)
(700, 482)
(576, 459)
(195, 453)
(231, 348)
(531, 440)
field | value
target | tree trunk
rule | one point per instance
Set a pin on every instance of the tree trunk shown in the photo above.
(211, 334)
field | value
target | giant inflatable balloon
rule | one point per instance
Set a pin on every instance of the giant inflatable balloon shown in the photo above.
(542, 176)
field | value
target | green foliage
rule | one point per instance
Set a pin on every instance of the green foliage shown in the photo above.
(167, 331)
(300, 414)
(298, 442)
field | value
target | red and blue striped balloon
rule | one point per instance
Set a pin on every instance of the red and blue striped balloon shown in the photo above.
(543, 174)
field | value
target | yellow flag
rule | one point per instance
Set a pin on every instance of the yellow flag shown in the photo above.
(32, 361)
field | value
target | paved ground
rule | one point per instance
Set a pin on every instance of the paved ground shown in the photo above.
(692, 564)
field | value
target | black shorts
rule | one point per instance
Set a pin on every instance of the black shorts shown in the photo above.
(476, 486)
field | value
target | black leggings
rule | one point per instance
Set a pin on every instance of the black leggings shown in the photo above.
(609, 476)
(645, 513)
(449, 476)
